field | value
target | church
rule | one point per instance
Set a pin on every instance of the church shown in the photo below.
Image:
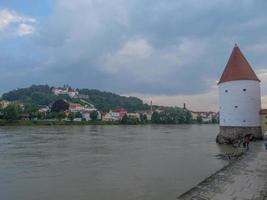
(240, 101)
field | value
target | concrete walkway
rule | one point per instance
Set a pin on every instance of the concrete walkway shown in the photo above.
(243, 179)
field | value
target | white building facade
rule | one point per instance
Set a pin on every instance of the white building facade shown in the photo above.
(240, 103)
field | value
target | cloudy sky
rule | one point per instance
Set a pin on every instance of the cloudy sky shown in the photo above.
(166, 51)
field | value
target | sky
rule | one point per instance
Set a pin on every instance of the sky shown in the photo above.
(169, 52)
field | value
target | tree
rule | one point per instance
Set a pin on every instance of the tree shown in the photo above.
(129, 120)
(188, 117)
(199, 119)
(155, 118)
(71, 116)
(143, 118)
(78, 115)
(60, 106)
(60, 115)
(50, 115)
(30, 108)
(93, 115)
(11, 112)
(106, 101)
(172, 115)
(124, 119)
(1, 113)
(41, 115)
(214, 120)
(36, 94)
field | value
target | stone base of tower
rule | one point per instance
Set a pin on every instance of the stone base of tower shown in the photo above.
(231, 135)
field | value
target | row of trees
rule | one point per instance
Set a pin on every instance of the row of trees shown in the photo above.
(15, 111)
(133, 120)
(177, 116)
(167, 116)
(11, 112)
(172, 116)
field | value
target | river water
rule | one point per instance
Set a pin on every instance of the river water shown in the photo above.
(152, 162)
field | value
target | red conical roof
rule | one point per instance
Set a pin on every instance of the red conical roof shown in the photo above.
(237, 68)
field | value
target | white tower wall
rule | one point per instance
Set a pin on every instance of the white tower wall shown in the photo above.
(240, 103)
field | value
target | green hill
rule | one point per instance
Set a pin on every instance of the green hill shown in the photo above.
(107, 100)
(36, 94)
(103, 101)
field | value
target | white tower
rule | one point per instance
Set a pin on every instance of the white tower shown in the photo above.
(240, 100)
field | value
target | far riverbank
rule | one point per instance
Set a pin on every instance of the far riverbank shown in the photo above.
(69, 123)
(54, 123)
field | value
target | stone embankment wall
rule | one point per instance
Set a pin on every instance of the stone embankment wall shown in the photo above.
(230, 135)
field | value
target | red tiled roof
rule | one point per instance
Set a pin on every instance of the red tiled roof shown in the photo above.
(119, 110)
(75, 104)
(237, 68)
(263, 112)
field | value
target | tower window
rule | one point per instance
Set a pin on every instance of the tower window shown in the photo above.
(226, 91)
(236, 106)
(244, 120)
(244, 90)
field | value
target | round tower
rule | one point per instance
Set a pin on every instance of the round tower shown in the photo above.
(239, 100)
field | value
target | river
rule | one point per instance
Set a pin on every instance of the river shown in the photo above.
(152, 162)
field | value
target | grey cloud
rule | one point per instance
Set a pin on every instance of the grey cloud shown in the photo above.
(185, 43)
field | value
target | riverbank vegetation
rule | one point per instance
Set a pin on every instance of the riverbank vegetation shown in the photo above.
(44, 105)
(13, 115)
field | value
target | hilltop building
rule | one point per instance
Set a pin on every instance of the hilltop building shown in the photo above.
(239, 99)
(65, 90)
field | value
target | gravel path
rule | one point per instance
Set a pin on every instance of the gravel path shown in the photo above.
(242, 179)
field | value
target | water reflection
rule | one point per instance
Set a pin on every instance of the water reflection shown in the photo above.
(105, 162)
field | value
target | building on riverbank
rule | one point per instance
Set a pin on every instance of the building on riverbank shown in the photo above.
(4, 104)
(263, 115)
(206, 117)
(115, 115)
(240, 100)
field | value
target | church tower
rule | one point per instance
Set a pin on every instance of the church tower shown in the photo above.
(239, 99)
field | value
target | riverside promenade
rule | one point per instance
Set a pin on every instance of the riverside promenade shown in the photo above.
(243, 179)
